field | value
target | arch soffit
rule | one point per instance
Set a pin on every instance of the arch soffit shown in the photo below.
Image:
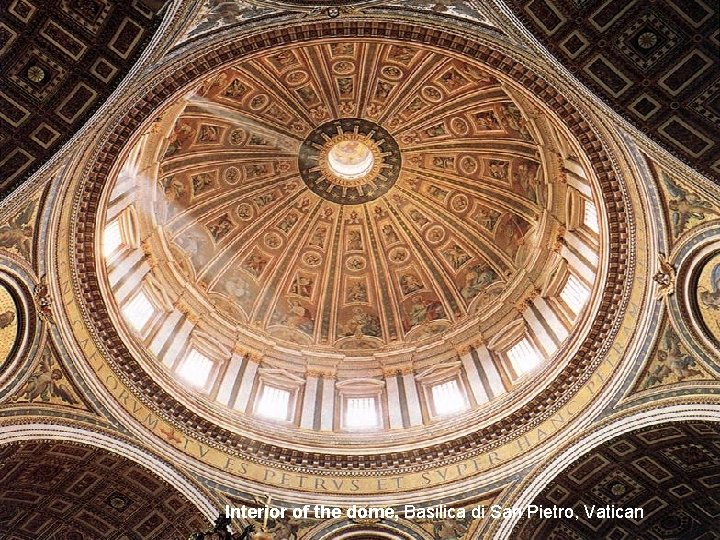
(40, 430)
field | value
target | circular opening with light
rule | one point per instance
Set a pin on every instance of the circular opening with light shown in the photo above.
(350, 159)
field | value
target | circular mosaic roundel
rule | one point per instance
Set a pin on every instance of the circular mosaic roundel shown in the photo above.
(708, 295)
(349, 161)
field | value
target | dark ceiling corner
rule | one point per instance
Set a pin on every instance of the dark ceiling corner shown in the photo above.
(664, 469)
(655, 63)
(61, 60)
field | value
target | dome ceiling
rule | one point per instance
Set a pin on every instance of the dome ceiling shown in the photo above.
(188, 239)
(451, 211)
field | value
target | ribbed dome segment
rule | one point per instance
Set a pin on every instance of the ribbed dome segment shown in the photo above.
(447, 209)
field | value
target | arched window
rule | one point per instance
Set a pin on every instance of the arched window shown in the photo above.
(195, 368)
(139, 311)
(448, 398)
(523, 356)
(590, 217)
(574, 293)
(361, 412)
(112, 238)
(274, 403)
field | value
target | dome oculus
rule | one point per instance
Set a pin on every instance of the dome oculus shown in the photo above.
(349, 161)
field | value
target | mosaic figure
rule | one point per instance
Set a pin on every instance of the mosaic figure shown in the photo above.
(361, 323)
(288, 222)
(202, 182)
(487, 218)
(499, 169)
(208, 134)
(389, 234)
(264, 199)
(357, 292)
(526, 183)
(221, 227)
(685, 206)
(255, 264)
(443, 162)
(47, 382)
(299, 317)
(18, 231)
(422, 311)
(418, 218)
(180, 139)
(302, 286)
(486, 121)
(173, 188)
(354, 242)
(409, 283)
(456, 256)
(476, 280)
(672, 363)
(236, 89)
(318, 237)
(453, 80)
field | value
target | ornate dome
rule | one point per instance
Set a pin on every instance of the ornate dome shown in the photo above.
(352, 235)
(444, 220)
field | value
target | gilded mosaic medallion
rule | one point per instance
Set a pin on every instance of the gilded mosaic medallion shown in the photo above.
(708, 296)
(8, 323)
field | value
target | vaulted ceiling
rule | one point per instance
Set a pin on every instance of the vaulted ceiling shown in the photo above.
(61, 60)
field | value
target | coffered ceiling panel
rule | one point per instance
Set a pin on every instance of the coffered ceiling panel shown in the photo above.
(61, 60)
(64, 491)
(655, 63)
(671, 471)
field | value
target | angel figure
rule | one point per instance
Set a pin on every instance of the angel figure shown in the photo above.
(172, 187)
(672, 361)
(656, 376)
(18, 231)
(216, 82)
(665, 277)
(680, 364)
(686, 206)
(46, 382)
